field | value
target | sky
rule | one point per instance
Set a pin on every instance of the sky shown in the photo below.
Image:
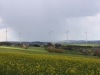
(49, 20)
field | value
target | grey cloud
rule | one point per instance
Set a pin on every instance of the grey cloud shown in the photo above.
(36, 18)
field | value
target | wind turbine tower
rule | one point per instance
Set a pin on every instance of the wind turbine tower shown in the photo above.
(52, 37)
(67, 36)
(49, 37)
(20, 37)
(6, 34)
(86, 36)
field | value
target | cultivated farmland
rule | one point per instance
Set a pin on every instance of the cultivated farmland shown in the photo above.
(37, 61)
(39, 64)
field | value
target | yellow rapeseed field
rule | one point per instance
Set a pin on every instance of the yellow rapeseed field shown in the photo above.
(39, 64)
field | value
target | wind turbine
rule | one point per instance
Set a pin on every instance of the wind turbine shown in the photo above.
(6, 34)
(52, 38)
(49, 37)
(67, 36)
(86, 36)
(20, 37)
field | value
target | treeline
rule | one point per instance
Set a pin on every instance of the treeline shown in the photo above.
(84, 50)
(5, 43)
(18, 44)
(56, 48)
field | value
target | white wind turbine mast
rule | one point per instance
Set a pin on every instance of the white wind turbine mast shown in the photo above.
(52, 37)
(49, 37)
(20, 37)
(6, 34)
(86, 36)
(67, 36)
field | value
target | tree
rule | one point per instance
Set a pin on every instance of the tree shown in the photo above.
(49, 44)
(57, 45)
(25, 46)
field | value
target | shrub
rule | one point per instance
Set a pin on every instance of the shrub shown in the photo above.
(49, 44)
(25, 46)
(59, 51)
(97, 52)
(51, 49)
(85, 52)
(36, 45)
(5, 43)
(57, 45)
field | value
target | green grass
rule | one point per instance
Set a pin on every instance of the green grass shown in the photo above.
(21, 49)
(83, 44)
(73, 52)
(39, 50)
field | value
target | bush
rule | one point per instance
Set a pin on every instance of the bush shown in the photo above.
(85, 52)
(97, 52)
(57, 45)
(36, 45)
(54, 50)
(25, 46)
(49, 44)
(5, 43)
(51, 49)
(59, 51)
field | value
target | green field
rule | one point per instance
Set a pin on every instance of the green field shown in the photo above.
(38, 50)
(82, 44)
(30, 50)
(38, 61)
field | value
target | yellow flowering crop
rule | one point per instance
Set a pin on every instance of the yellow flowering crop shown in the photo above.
(39, 64)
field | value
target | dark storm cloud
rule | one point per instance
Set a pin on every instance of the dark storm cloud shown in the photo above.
(36, 18)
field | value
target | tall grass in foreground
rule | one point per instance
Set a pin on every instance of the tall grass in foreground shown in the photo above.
(38, 64)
